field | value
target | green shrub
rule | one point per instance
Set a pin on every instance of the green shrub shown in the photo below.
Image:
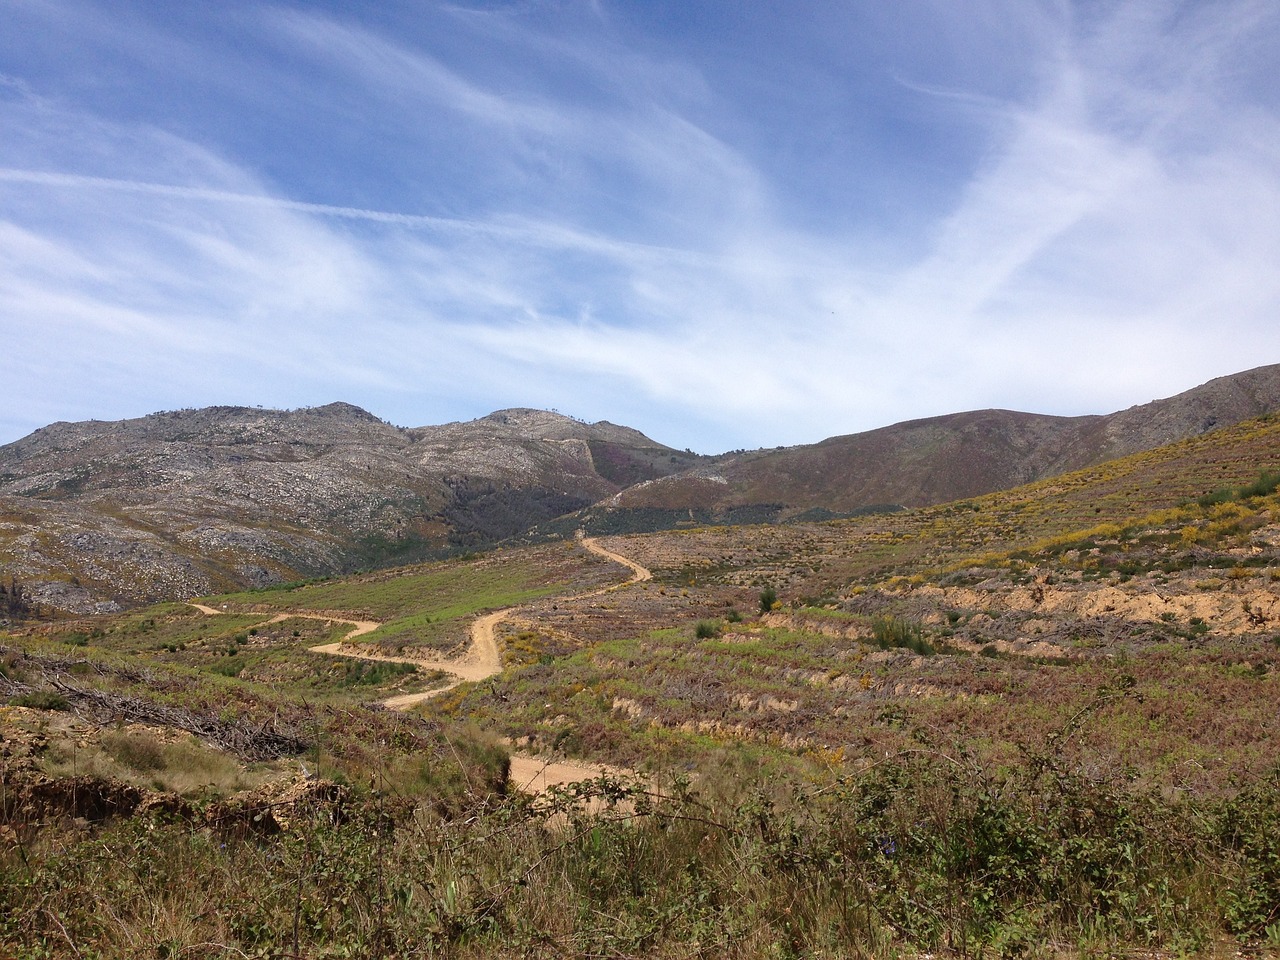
(229, 668)
(1248, 825)
(768, 598)
(708, 629)
(41, 700)
(890, 632)
(373, 672)
(1264, 486)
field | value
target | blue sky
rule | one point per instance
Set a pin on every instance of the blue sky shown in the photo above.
(726, 224)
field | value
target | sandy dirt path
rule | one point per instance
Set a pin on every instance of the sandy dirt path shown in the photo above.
(638, 573)
(535, 775)
(481, 661)
(358, 627)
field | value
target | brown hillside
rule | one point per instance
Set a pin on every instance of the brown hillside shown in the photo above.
(940, 459)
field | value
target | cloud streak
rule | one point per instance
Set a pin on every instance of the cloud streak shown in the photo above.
(548, 236)
(597, 222)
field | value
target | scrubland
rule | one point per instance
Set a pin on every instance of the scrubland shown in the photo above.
(1036, 723)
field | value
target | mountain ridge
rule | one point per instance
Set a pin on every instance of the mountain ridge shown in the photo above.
(98, 514)
(184, 502)
(953, 456)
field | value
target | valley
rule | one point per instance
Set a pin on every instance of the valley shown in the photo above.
(1034, 721)
(100, 517)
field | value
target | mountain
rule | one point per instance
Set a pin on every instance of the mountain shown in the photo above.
(935, 460)
(184, 502)
(94, 515)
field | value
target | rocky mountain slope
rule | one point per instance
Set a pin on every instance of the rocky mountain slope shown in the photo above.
(94, 515)
(182, 503)
(940, 459)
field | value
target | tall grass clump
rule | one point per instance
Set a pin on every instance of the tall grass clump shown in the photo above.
(1266, 484)
(898, 632)
(708, 629)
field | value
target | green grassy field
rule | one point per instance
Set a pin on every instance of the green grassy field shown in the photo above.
(429, 607)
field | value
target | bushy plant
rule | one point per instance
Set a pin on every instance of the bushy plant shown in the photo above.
(141, 752)
(768, 599)
(890, 632)
(923, 851)
(41, 700)
(1248, 826)
(373, 672)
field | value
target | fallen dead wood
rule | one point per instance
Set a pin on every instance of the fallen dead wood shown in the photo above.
(265, 741)
(268, 740)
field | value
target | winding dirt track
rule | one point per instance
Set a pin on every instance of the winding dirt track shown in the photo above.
(638, 573)
(481, 661)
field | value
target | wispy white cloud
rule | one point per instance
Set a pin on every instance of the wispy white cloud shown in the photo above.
(411, 78)
(614, 256)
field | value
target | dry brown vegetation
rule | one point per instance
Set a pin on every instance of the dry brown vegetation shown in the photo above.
(1037, 722)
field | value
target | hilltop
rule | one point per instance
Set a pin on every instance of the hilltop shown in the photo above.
(95, 516)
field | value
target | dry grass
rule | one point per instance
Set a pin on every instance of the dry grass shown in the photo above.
(158, 760)
(1036, 723)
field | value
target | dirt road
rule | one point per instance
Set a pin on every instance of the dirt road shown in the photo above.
(481, 661)
(358, 627)
(534, 775)
(638, 573)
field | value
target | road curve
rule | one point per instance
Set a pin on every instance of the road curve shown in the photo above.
(481, 661)
(638, 573)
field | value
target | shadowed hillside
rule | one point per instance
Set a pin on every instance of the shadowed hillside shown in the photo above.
(939, 459)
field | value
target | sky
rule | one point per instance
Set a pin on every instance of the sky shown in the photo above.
(725, 224)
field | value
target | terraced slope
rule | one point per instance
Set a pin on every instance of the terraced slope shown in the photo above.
(990, 622)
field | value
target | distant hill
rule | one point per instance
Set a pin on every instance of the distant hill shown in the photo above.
(184, 502)
(94, 515)
(936, 460)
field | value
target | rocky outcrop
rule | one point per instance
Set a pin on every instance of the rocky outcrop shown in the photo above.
(98, 515)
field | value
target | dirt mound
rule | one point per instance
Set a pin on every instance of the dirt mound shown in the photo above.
(275, 807)
(35, 799)
(39, 799)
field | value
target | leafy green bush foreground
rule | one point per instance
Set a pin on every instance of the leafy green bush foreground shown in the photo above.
(923, 851)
